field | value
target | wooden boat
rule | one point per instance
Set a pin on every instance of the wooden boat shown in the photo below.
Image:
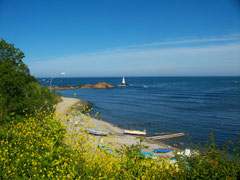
(162, 150)
(97, 132)
(135, 132)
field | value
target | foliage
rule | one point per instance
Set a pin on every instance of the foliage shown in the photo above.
(38, 98)
(34, 149)
(19, 91)
(41, 147)
(212, 163)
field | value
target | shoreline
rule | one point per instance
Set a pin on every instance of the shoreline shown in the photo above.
(79, 120)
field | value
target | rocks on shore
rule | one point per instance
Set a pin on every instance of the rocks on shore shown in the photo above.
(100, 85)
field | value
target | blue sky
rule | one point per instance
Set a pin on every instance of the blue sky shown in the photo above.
(125, 37)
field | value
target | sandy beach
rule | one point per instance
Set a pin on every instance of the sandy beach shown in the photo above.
(78, 120)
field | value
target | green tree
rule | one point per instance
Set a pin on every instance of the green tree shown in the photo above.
(18, 89)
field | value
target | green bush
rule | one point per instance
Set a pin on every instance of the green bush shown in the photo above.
(20, 92)
(35, 147)
(212, 162)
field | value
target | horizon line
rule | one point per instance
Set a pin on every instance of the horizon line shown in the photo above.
(140, 76)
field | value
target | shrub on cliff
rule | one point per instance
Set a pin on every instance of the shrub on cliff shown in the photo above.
(20, 92)
(34, 149)
(212, 162)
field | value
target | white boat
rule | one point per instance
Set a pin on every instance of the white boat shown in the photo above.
(124, 82)
(135, 132)
(97, 132)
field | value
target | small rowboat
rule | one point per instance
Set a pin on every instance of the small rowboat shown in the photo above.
(97, 132)
(135, 132)
(162, 150)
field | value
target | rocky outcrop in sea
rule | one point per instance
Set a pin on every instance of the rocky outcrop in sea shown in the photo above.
(100, 85)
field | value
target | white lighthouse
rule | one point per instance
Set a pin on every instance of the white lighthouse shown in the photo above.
(124, 83)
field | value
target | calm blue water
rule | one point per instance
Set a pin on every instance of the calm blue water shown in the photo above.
(194, 105)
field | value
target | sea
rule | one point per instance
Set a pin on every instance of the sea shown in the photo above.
(196, 106)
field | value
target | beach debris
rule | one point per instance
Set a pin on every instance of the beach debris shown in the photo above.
(187, 152)
(75, 123)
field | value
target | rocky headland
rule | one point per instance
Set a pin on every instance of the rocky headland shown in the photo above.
(100, 85)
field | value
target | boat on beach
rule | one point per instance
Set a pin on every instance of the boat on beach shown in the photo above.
(97, 132)
(162, 150)
(135, 132)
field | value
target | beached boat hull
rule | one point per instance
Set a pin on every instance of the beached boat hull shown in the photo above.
(97, 132)
(135, 132)
(162, 150)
